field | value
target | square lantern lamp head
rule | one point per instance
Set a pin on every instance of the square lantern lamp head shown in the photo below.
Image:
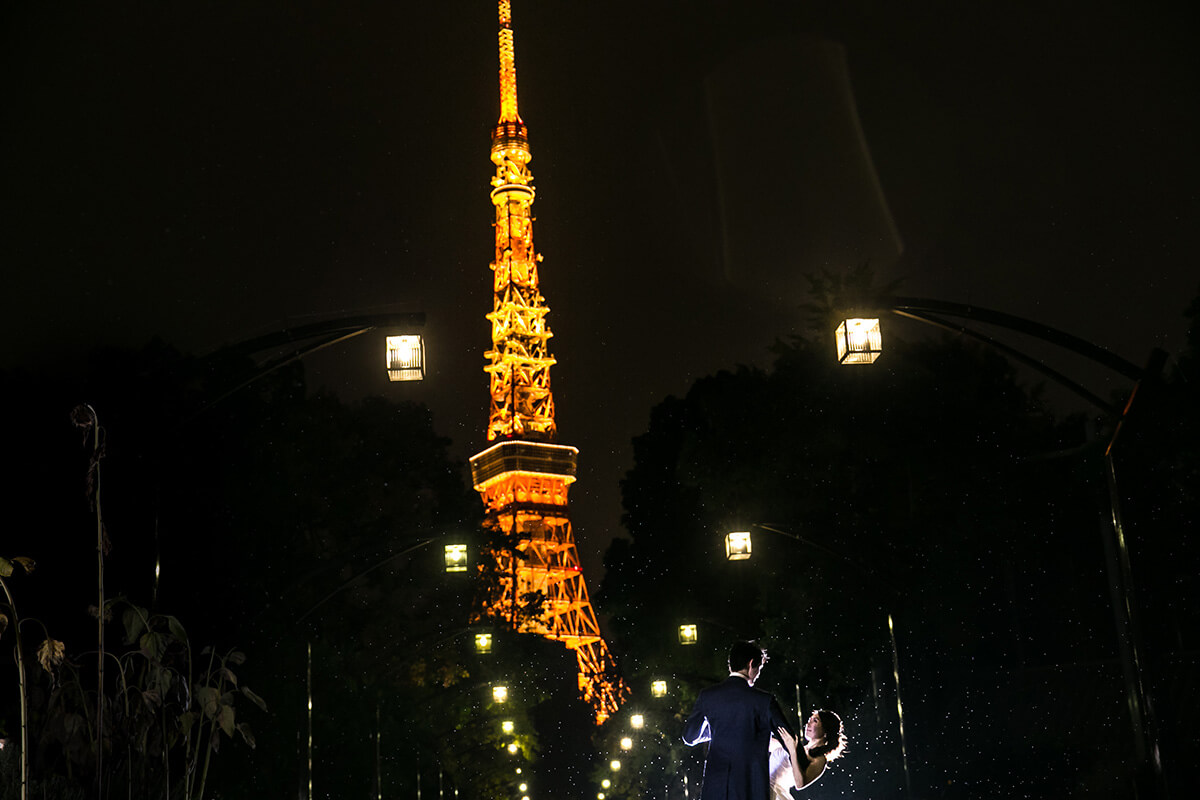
(626, 743)
(456, 558)
(737, 545)
(483, 643)
(688, 634)
(637, 722)
(500, 694)
(405, 358)
(658, 688)
(507, 726)
(859, 341)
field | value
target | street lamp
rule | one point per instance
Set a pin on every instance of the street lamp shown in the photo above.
(737, 545)
(483, 643)
(626, 743)
(859, 341)
(405, 358)
(456, 558)
(637, 722)
(507, 726)
(688, 634)
(658, 688)
(615, 765)
(500, 694)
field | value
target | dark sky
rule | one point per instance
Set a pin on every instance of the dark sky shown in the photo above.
(210, 172)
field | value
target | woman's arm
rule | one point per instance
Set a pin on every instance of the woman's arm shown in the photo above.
(805, 770)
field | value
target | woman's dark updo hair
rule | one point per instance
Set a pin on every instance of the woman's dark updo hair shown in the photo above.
(835, 736)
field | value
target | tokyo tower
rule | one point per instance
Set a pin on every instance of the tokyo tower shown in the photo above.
(531, 568)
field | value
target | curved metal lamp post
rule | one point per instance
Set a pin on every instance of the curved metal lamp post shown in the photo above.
(856, 347)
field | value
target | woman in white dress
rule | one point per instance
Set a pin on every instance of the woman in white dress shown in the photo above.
(797, 764)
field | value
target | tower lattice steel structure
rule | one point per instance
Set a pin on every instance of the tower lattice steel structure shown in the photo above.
(531, 566)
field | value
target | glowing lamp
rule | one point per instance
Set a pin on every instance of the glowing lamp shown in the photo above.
(688, 634)
(637, 722)
(737, 545)
(599, 795)
(606, 783)
(500, 693)
(456, 558)
(614, 765)
(483, 643)
(507, 726)
(524, 787)
(626, 743)
(512, 748)
(658, 688)
(859, 341)
(405, 358)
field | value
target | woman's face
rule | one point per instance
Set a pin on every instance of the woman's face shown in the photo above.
(813, 730)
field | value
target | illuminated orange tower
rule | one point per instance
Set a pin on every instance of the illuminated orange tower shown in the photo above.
(535, 577)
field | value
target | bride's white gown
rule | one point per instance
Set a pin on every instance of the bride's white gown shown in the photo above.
(781, 772)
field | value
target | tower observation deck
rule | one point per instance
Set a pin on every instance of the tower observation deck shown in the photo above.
(531, 567)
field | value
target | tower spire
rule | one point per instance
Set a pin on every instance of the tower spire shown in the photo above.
(531, 567)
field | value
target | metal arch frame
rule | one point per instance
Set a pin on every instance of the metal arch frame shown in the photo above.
(1144, 727)
(314, 337)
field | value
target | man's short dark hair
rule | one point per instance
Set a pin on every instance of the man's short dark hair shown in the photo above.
(743, 653)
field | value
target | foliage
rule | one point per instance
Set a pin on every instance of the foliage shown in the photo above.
(283, 519)
(164, 715)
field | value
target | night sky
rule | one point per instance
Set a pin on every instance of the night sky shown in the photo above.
(210, 172)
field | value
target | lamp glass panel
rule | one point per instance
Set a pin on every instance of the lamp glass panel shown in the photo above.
(688, 634)
(405, 358)
(859, 341)
(456, 558)
(737, 545)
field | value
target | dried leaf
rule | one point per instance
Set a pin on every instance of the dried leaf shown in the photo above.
(254, 698)
(152, 645)
(6, 567)
(244, 730)
(228, 675)
(27, 563)
(50, 654)
(3, 624)
(209, 700)
(176, 629)
(237, 658)
(225, 720)
(134, 620)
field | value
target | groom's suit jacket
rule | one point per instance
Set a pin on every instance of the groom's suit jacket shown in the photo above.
(737, 721)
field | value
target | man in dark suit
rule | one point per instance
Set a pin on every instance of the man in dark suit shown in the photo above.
(737, 721)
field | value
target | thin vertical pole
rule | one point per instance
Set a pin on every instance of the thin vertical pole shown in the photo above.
(899, 704)
(378, 770)
(310, 723)
(799, 710)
